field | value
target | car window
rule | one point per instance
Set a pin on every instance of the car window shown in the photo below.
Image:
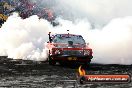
(64, 39)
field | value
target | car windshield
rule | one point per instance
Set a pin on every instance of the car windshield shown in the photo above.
(65, 38)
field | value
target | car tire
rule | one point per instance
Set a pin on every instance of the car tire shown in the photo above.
(61, 63)
(51, 62)
(87, 64)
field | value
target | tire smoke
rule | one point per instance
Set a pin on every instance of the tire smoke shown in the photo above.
(111, 43)
(24, 39)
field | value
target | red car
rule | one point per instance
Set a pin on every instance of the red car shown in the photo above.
(68, 48)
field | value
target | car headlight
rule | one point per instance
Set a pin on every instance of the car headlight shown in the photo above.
(86, 52)
(57, 52)
(80, 52)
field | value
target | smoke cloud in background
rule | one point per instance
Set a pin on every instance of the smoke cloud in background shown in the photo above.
(111, 43)
(99, 12)
(24, 39)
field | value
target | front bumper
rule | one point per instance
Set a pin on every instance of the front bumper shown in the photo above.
(77, 58)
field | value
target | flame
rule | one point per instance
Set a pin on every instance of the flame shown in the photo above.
(82, 72)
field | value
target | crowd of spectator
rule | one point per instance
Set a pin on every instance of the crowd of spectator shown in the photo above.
(25, 8)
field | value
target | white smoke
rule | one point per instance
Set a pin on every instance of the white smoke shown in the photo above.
(97, 11)
(24, 39)
(111, 44)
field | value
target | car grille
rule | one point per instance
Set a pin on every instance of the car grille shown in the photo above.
(73, 52)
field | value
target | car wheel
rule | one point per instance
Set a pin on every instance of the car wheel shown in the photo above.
(61, 63)
(52, 62)
(87, 64)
